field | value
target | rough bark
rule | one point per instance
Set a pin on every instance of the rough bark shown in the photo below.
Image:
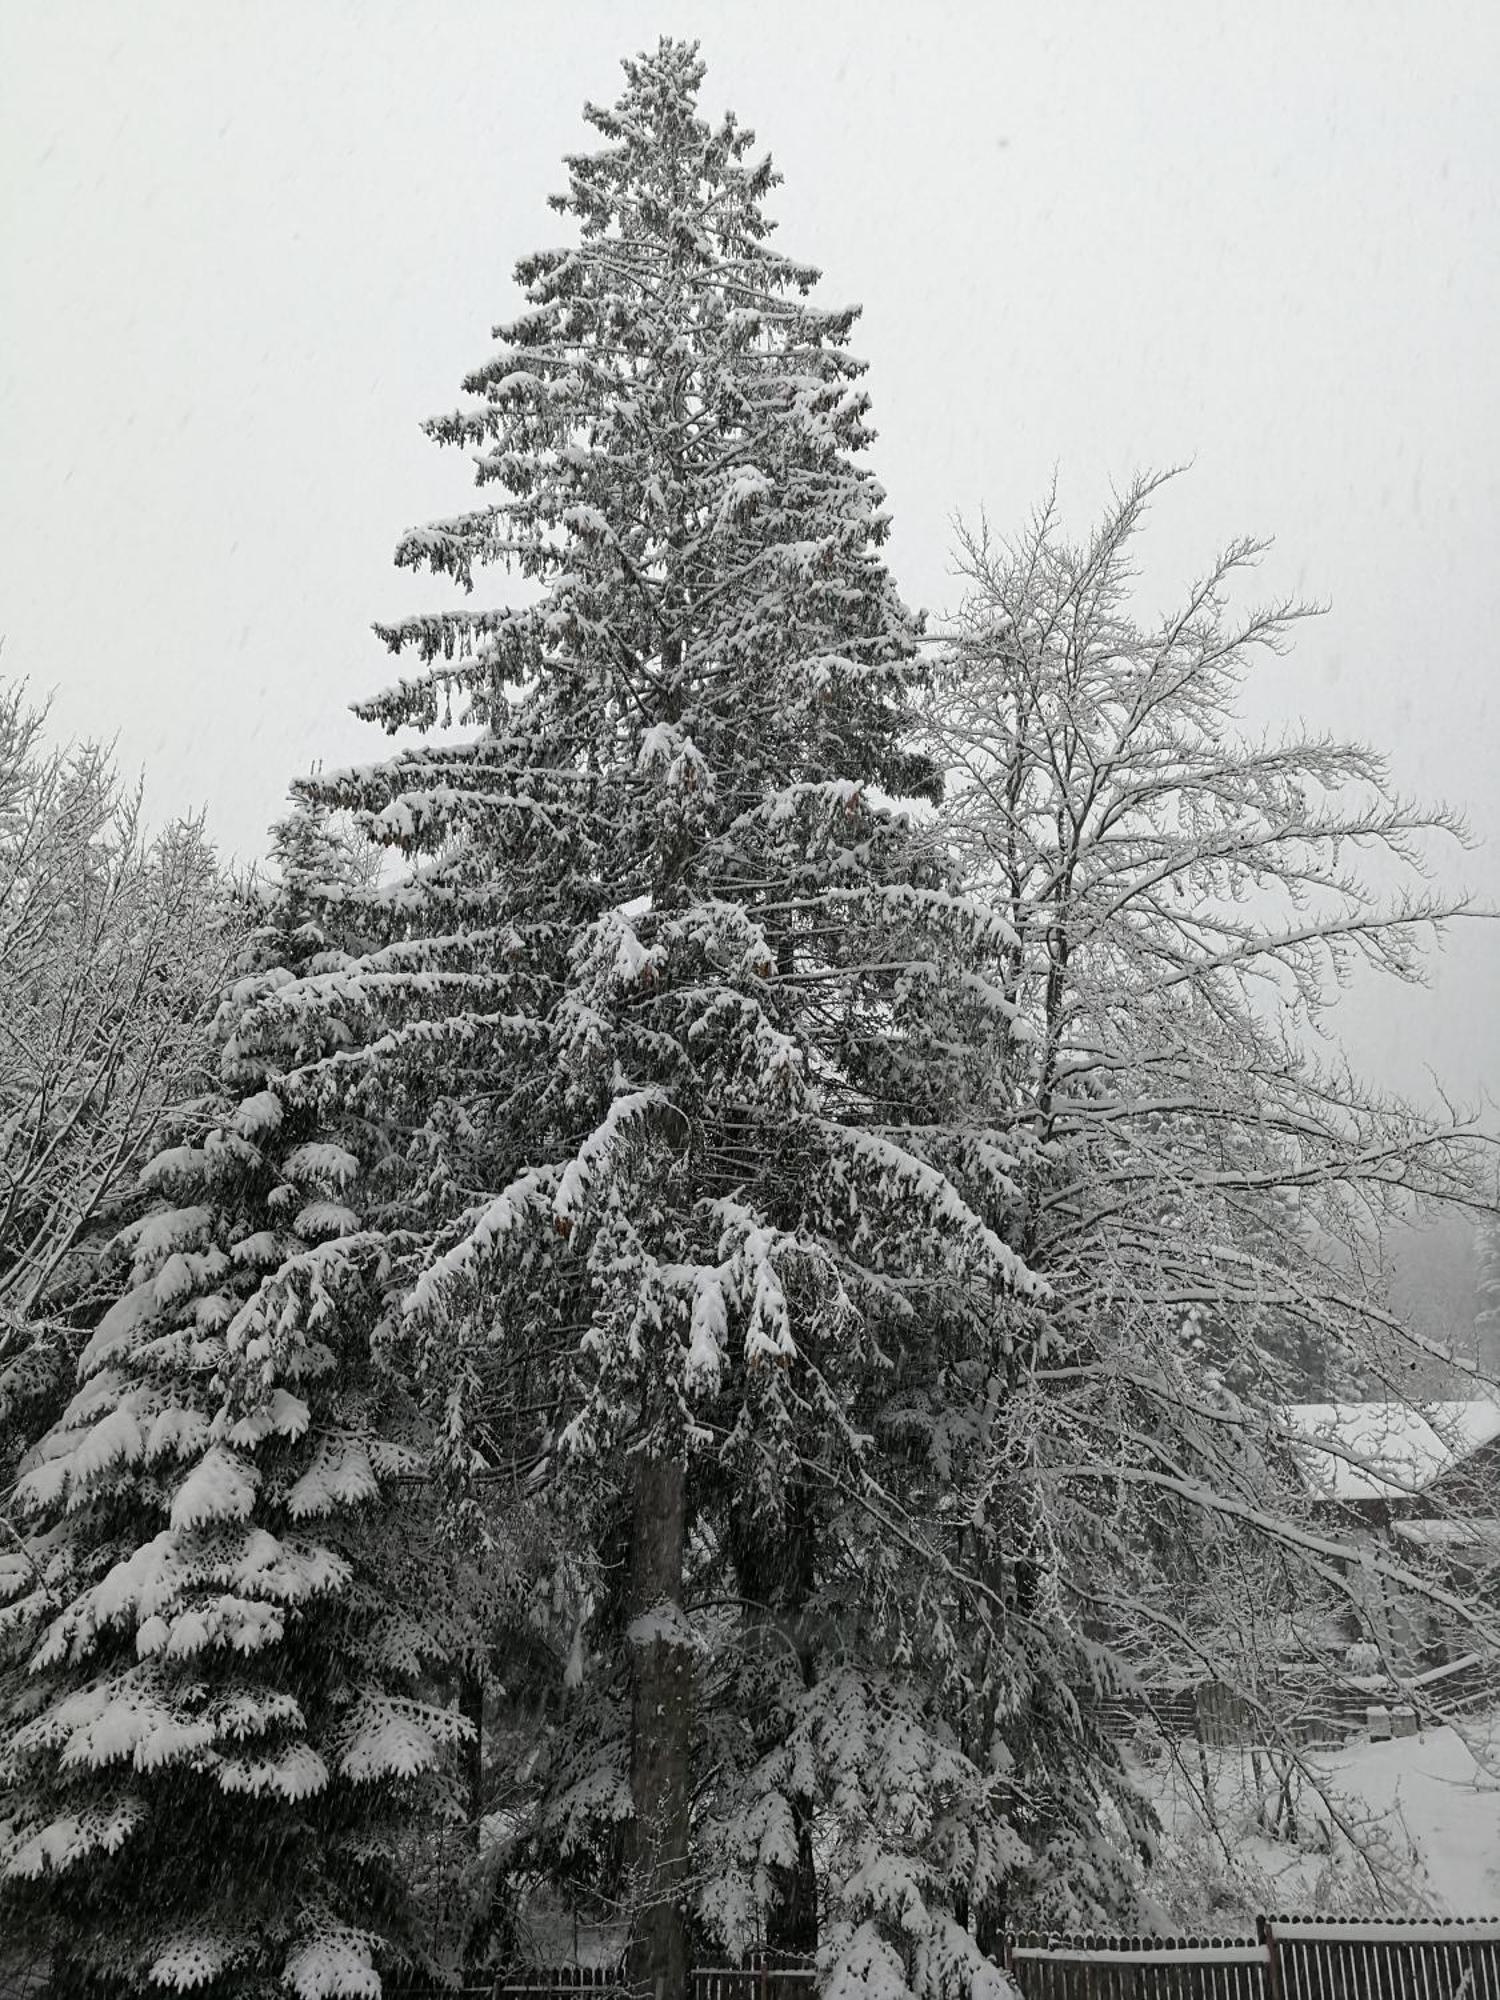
(471, 1707)
(661, 1657)
(777, 1575)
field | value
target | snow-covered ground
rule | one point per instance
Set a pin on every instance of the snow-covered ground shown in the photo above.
(1436, 1787)
(1425, 1808)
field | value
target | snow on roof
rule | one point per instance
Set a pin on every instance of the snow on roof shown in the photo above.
(1382, 1451)
(1467, 1425)
(1461, 1534)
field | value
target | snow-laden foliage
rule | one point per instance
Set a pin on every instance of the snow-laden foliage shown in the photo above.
(674, 1028)
(223, 1600)
(746, 1289)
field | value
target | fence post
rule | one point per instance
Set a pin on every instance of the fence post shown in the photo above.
(1266, 1935)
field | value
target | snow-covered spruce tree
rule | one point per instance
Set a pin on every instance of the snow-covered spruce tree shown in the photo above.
(669, 1037)
(1203, 1196)
(217, 1756)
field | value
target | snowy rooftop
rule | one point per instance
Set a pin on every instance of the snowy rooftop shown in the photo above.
(1382, 1451)
(1449, 1534)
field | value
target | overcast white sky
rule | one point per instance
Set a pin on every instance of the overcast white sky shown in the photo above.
(244, 248)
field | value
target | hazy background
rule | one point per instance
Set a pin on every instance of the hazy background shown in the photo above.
(244, 248)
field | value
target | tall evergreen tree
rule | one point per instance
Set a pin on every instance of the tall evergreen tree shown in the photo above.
(676, 1209)
(673, 1022)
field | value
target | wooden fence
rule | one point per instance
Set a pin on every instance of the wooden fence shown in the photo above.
(1138, 1968)
(764, 1981)
(1375, 1961)
(768, 1978)
(1309, 1708)
(551, 1982)
(1289, 1958)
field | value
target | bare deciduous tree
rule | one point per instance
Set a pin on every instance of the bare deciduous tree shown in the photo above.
(1204, 1193)
(109, 946)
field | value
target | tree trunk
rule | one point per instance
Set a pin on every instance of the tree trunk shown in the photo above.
(661, 1658)
(793, 1923)
(471, 1707)
(777, 1577)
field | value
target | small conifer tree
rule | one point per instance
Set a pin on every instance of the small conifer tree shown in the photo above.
(219, 1747)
